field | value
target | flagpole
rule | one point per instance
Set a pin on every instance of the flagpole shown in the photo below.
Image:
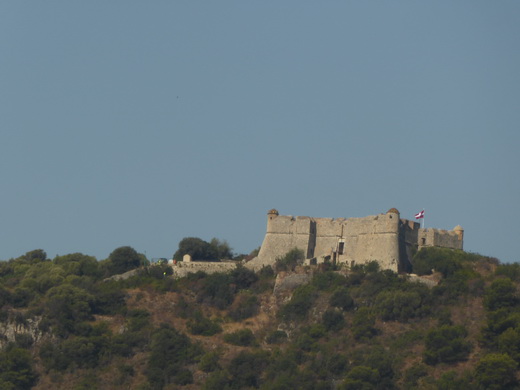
(423, 218)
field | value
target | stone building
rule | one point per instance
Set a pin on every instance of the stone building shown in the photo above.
(385, 238)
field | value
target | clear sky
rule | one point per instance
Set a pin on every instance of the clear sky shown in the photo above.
(141, 123)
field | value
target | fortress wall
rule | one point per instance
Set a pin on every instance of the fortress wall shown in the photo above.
(409, 236)
(441, 238)
(283, 234)
(328, 231)
(366, 239)
(182, 269)
(382, 247)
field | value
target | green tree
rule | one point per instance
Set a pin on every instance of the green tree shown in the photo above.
(341, 298)
(361, 378)
(246, 369)
(501, 294)
(16, 369)
(199, 249)
(496, 372)
(66, 307)
(242, 337)
(35, 256)
(363, 324)
(123, 259)
(446, 344)
(290, 260)
(170, 351)
(222, 248)
(78, 264)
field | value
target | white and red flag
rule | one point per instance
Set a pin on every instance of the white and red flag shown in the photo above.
(419, 215)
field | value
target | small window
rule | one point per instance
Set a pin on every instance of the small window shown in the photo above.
(341, 248)
(423, 241)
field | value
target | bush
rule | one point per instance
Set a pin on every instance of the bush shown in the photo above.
(361, 377)
(124, 259)
(242, 337)
(276, 337)
(450, 381)
(246, 369)
(66, 307)
(300, 303)
(333, 320)
(413, 374)
(446, 344)
(341, 299)
(329, 280)
(496, 372)
(216, 290)
(400, 305)
(289, 262)
(200, 325)
(170, 351)
(443, 260)
(199, 249)
(363, 324)
(16, 369)
(501, 294)
(245, 306)
(209, 361)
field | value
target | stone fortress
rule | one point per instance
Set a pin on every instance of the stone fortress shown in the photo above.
(385, 238)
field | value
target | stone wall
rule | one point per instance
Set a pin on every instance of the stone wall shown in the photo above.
(182, 269)
(440, 238)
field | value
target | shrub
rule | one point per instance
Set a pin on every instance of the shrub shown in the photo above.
(67, 306)
(413, 374)
(245, 305)
(300, 303)
(16, 369)
(450, 381)
(170, 351)
(363, 324)
(200, 325)
(399, 305)
(446, 344)
(329, 280)
(124, 259)
(496, 372)
(242, 337)
(276, 337)
(443, 260)
(290, 260)
(216, 290)
(209, 361)
(243, 277)
(333, 320)
(341, 299)
(501, 294)
(361, 377)
(246, 369)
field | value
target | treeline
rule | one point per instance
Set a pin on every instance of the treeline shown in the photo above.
(363, 328)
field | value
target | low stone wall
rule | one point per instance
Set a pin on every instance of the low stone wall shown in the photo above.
(183, 268)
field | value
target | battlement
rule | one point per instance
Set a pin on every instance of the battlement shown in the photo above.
(384, 237)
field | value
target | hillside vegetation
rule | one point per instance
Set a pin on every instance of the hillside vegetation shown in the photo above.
(65, 324)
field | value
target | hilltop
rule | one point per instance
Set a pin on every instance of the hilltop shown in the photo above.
(65, 325)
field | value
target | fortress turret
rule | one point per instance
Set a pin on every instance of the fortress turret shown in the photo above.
(460, 233)
(393, 210)
(271, 214)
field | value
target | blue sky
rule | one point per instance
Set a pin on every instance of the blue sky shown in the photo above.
(140, 123)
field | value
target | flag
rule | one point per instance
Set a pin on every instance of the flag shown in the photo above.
(419, 215)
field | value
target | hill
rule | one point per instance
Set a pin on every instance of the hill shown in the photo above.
(65, 325)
